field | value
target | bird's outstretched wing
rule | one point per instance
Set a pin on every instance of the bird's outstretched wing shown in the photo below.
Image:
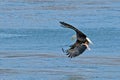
(76, 51)
(80, 36)
(79, 33)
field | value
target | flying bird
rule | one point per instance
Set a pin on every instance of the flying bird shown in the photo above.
(81, 44)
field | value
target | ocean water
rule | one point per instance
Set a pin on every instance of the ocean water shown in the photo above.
(31, 39)
(106, 40)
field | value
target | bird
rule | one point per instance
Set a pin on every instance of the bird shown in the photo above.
(81, 44)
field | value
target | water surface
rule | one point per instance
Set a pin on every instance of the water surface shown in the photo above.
(31, 39)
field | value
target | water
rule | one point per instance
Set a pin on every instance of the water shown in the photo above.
(31, 39)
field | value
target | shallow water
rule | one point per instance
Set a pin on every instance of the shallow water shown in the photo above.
(31, 39)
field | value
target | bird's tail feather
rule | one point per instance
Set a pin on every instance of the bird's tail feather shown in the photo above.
(89, 40)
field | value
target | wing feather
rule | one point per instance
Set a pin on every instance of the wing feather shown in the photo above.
(79, 33)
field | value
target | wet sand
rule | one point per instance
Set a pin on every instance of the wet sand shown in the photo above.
(37, 66)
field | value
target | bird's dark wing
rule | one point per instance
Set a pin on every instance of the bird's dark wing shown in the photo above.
(79, 34)
(76, 51)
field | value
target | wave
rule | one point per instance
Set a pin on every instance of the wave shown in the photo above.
(7, 35)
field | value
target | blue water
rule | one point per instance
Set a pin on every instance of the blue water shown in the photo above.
(106, 40)
(31, 39)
